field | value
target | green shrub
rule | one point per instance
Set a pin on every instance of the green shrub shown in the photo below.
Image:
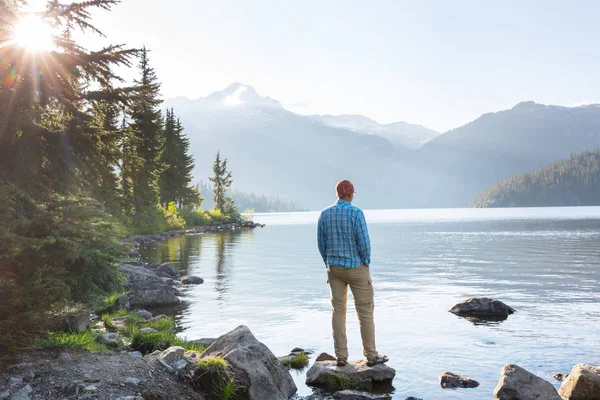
(299, 361)
(212, 379)
(148, 342)
(71, 340)
(341, 381)
(172, 218)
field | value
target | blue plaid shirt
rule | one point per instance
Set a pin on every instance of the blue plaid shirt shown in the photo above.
(343, 237)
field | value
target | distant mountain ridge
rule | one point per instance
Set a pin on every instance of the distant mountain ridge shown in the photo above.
(297, 158)
(571, 182)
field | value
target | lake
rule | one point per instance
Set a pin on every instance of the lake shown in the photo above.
(544, 262)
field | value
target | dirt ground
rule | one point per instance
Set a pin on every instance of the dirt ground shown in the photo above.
(85, 375)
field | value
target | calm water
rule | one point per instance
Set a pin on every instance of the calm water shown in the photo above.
(543, 262)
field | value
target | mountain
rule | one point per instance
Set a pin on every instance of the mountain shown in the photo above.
(400, 134)
(453, 167)
(571, 182)
(275, 152)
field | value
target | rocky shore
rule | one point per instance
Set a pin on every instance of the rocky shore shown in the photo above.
(235, 366)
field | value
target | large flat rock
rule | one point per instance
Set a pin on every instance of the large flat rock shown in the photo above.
(323, 372)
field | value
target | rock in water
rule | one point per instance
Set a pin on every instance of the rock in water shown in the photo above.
(192, 280)
(147, 289)
(583, 383)
(323, 373)
(167, 270)
(482, 307)
(517, 383)
(253, 365)
(448, 380)
(325, 357)
(356, 395)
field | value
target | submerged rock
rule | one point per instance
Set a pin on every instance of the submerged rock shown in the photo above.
(167, 270)
(449, 380)
(583, 383)
(253, 366)
(327, 373)
(192, 280)
(356, 395)
(517, 383)
(482, 307)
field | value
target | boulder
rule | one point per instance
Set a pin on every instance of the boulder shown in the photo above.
(356, 395)
(147, 289)
(449, 380)
(192, 280)
(171, 354)
(143, 314)
(583, 383)
(325, 357)
(517, 383)
(110, 340)
(482, 307)
(323, 373)
(167, 270)
(253, 366)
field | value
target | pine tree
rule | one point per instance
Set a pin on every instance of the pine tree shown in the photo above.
(221, 182)
(178, 165)
(147, 138)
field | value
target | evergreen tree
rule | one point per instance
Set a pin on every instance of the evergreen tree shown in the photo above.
(178, 165)
(221, 182)
(146, 138)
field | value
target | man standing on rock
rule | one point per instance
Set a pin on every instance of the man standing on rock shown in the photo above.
(345, 246)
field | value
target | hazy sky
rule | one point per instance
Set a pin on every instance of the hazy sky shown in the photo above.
(436, 63)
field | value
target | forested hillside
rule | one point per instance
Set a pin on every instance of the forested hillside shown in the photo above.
(571, 182)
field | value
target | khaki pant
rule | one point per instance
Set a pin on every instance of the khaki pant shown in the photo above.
(361, 285)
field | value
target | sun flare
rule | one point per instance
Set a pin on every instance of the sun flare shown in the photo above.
(33, 34)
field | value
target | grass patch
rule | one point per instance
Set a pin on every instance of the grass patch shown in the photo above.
(126, 260)
(148, 342)
(228, 390)
(189, 346)
(72, 340)
(212, 378)
(342, 381)
(299, 361)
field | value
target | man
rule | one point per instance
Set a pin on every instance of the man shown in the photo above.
(345, 246)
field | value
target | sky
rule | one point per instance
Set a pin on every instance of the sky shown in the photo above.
(437, 63)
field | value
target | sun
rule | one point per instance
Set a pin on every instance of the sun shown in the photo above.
(33, 34)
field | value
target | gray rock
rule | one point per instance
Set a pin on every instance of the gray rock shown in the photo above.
(204, 341)
(78, 322)
(4, 394)
(64, 357)
(143, 314)
(110, 339)
(253, 365)
(482, 307)
(449, 380)
(192, 280)
(413, 398)
(167, 270)
(20, 366)
(90, 389)
(15, 380)
(132, 381)
(157, 318)
(148, 330)
(169, 281)
(583, 383)
(135, 354)
(22, 394)
(171, 354)
(325, 357)
(356, 395)
(517, 383)
(130, 398)
(179, 365)
(119, 322)
(323, 372)
(147, 289)
(123, 302)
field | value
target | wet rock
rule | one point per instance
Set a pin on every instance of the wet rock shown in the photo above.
(482, 307)
(192, 280)
(253, 365)
(64, 357)
(449, 380)
(583, 383)
(325, 357)
(147, 289)
(560, 377)
(143, 314)
(322, 373)
(146, 331)
(167, 270)
(110, 339)
(356, 395)
(517, 383)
